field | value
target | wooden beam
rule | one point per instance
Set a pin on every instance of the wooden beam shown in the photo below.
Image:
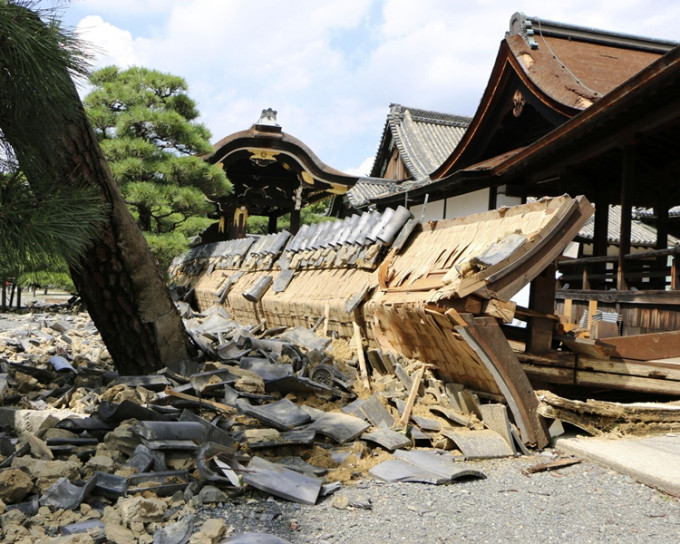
(413, 393)
(484, 336)
(627, 176)
(542, 299)
(294, 221)
(631, 368)
(645, 347)
(359, 345)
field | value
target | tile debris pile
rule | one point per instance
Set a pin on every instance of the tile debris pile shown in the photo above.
(84, 451)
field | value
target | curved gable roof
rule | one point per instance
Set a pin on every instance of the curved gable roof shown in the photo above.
(423, 139)
(546, 72)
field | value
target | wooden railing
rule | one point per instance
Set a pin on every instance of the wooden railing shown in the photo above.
(657, 269)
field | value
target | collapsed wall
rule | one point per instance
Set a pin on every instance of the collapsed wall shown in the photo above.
(434, 291)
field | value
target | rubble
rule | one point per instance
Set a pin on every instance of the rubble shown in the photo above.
(87, 454)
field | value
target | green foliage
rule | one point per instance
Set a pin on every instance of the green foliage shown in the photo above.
(44, 225)
(146, 125)
(44, 222)
(166, 247)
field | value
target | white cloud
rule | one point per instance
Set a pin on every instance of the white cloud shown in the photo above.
(110, 45)
(332, 68)
(363, 169)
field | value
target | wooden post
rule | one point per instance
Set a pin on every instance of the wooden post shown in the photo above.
(415, 385)
(542, 300)
(271, 227)
(592, 308)
(294, 221)
(359, 344)
(627, 176)
(600, 240)
(661, 212)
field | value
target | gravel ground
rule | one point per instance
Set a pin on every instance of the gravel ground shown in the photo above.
(582, 503)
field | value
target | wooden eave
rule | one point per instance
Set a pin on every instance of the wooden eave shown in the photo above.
(506, 77)
(643, 113)
(279, 145)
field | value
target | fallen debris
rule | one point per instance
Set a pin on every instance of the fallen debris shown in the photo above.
(598, 417)
(551, 465)
(283, 411)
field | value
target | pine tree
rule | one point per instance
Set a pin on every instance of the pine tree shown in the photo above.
(146, 125)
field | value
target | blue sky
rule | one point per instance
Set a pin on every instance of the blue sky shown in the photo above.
(331, 68)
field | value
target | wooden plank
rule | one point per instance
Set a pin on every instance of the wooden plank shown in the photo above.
(359, 346)
(549, 374)
(455, 316)
(603, 329)
(562, 359)
(631, 368)
(595, 349)
(551, 465)
(542, 299)
(486, 339)
(644, 347)
(504, 310)
(592, 308)
(566, 313)
(627, 383)
(647, 412)
(417, 378)
(230, 410)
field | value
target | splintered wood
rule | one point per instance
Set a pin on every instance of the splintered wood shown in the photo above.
(598, 417)
(423, 295)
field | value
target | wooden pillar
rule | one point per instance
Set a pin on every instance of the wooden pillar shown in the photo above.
(661, 212)
(493, 197)
(239, 223)
(271, 227)
(627, 176)
(294, 221)
(541, 300)
(600, 239)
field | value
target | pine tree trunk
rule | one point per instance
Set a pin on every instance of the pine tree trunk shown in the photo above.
(119, 279)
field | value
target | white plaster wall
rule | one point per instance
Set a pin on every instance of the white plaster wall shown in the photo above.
(458, 206)
(503, 200)
(434, 211)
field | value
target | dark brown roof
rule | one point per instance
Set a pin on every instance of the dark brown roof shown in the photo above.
(273, 172)
(543, 76)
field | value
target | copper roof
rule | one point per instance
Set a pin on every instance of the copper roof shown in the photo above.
(545, 74)
(574, 65)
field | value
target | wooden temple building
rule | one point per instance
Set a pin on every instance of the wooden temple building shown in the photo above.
(573, 121)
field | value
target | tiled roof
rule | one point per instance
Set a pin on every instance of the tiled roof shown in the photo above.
(367, 189)
(424, 138)
(641, 234)
(649, 213)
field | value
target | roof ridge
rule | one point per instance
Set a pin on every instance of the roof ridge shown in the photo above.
(397, 111)
(526, 26)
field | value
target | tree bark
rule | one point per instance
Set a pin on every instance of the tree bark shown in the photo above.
(118, 278)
